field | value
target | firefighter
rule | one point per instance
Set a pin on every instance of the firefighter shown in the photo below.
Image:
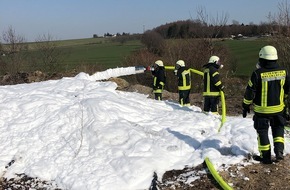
(184, 82)
(266, 90)
(212, 84)
(159, 79)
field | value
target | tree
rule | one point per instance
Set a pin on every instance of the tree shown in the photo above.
(172, 31)
(50, 55)
(13, 49)
(154, 42)
(280, 29)
(217, 24)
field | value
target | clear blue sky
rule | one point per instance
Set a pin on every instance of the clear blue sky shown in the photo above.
(71, 19)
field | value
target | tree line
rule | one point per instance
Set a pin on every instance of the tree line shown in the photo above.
(198, 29)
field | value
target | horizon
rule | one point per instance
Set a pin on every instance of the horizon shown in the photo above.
(80, 19)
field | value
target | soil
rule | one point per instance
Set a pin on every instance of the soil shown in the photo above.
(248, 175)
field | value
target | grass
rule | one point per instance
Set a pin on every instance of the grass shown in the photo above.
(91, 52)
(108, 54)
(245, 52)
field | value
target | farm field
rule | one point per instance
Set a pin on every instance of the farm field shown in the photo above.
(104, 53)
(80, 53)
(110, 54)
(245, 53)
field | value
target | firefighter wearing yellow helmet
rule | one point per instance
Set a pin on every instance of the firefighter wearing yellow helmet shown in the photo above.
(184, 82)
(159, 78)
(212, 84)
(266, 91)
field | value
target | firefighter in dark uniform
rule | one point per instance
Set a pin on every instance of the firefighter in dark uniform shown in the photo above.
(184, 82)
(212, 84)
(159, 78)
(266, 91)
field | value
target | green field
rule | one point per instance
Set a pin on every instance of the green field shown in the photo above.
(245, 52)
(108, 53)
(102, 52)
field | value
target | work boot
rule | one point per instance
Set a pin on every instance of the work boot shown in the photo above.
(266, 158)
(257, 158)
(267, 161)
(279, 156)
(262, 160)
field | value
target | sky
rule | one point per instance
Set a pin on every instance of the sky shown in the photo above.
(74, 19)
(82, 133)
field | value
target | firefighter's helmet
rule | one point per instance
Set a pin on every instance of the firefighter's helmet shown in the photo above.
(268, 53)
(216, 60)
(213, 59)
(159, 63)
(180, 63)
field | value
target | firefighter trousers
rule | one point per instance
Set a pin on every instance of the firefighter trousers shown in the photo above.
(262, 124)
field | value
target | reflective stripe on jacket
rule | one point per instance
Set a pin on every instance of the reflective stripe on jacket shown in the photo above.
(211, 80)
(159, 79)
(184, 79)
(266, 89)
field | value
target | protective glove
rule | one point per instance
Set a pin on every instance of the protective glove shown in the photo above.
(246, 109)
(245, 112)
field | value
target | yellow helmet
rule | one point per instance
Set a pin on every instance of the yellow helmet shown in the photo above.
(159, 63)
(268, 53)
(180, 63)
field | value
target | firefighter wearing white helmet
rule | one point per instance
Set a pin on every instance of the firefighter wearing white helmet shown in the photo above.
(216, 60)
(159, 63)
(183, 82)
(267, 92)
(212, 84)
(267, 53)
(159, 79)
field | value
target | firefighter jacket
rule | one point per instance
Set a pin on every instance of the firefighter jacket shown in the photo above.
(159, 80)
(184, 78)
(211, 80)
(267, 88)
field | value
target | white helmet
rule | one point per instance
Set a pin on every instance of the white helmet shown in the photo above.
(159, 63)
(216, 60)
(213, 59)
(268, 53)
(180, 63)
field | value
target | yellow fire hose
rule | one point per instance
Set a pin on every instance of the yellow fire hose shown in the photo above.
(223, 101)
(216, 176)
